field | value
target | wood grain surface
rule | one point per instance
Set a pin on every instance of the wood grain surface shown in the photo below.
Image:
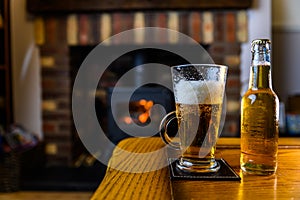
(71, 6)
(44, 195)
(285, 184)
(118, 184)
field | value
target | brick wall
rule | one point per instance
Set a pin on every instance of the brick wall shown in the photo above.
(222, 31)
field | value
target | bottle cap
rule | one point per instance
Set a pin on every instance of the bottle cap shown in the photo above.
(261, 45)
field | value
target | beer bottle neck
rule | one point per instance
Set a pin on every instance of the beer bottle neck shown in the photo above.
(260, 74)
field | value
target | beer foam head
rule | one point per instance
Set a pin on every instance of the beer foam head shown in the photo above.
(199, 92)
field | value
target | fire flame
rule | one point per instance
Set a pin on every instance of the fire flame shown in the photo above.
(142, 109)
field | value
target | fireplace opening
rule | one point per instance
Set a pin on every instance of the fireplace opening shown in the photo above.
(145, 96)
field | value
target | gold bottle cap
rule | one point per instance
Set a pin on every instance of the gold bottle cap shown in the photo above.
(261, 45)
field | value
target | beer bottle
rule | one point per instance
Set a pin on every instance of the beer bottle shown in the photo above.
(259, 115)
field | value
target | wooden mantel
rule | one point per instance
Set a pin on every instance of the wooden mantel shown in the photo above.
(72, 6)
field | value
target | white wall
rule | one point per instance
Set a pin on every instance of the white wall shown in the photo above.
(286, 15)
(286, 46)
(25, 70)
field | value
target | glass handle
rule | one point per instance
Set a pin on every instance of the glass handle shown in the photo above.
(165, 122)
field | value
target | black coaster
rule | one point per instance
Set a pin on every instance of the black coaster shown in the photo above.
(225, 173)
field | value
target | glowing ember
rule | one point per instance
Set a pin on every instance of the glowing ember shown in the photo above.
(143, 117)
(142, 102)
(139, 111)
(127, 120)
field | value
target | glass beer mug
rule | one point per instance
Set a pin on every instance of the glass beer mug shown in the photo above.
(199, 95)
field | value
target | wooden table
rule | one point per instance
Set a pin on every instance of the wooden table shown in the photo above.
(117, 184)
(45, 195)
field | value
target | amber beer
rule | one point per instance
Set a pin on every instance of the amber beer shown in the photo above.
(198, 92)
(198, 142)
(198, 111)
(259, 115)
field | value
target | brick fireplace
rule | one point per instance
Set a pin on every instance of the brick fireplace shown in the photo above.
(221, 31)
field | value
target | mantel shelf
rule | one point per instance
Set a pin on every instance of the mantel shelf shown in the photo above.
(75, 6)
